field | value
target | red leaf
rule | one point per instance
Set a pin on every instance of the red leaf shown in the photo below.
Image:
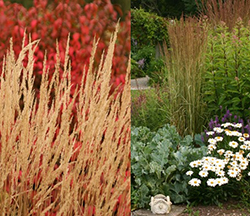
(33, 23)
(76, 36)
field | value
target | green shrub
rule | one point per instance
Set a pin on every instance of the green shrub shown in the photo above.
(159, 161)
(150, 108)
(227, 70)
(148, 28)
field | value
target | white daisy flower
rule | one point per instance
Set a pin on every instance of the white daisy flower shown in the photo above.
(212, 182)
(212, 141)
(203, 173)
(228, 153)
(238, 178)
(238, 156)
(195, 182)
(226, 160)
(248, 174)
(210, 132)
(218, 138)
(218, 129)
(229, 133)
(199, 162)
(189, 173)
(236, 169)
(234, 163)
(243, 166)
(233, 144)
(227, 124)
(244, 161)
(245, 147)
(221, 151)
(246, 135)
(236, 133)
(213, 168)
(247, 142)
(241, 139)
(206, 159)
(193, 164)
(224, 180)
(238, 125)
(220, 166)
(219, 181)
(211, 147)
(206, 166)
(248, 155)
(220, 173)
(232, 173)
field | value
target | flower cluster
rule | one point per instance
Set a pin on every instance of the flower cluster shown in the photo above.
(227, 156)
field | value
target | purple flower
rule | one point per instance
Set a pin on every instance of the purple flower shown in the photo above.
(227, 115)
(141, 63)
(211, 124)
(134, 42)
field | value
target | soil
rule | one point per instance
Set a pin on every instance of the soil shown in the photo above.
(231, 208)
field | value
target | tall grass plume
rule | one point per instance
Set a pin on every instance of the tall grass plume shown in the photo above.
(50, 166)
(228, 11)
(185, 65)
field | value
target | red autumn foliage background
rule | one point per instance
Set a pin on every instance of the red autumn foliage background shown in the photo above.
(52, 22)
(55, 21)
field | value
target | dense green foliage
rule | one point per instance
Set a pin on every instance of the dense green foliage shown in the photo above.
(159, 161)
(168, 8)
(148, 28)
(148, 32)
(228, 65)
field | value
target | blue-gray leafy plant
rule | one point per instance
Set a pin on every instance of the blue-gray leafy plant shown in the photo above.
(159, 161)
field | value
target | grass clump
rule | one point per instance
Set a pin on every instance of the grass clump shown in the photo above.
(184, 61)
(49, 166)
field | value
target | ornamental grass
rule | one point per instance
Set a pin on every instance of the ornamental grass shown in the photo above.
(227, 12)
(50, 164)
(184, 60)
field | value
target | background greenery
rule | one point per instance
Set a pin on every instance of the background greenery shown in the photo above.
(167, 8)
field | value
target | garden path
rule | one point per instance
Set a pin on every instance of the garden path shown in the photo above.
(140, 83)
(175, 211)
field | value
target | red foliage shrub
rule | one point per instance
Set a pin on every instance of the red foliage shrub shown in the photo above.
(55, 22)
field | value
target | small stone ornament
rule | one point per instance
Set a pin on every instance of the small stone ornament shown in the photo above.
(160, 204)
